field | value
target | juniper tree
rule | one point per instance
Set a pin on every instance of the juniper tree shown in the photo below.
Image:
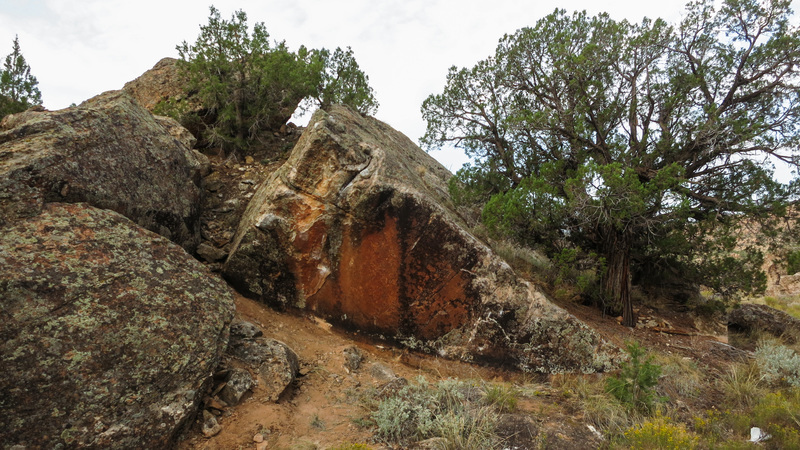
(247, 84)
(641, 142)
(18, 88)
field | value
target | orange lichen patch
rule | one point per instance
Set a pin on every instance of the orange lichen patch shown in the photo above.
(382, 281)
(363, 291)
(445, 310)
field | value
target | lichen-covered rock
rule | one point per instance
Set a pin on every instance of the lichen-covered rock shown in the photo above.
(751, 319)
(162, 82)
(276, 363)
(177, 131)
(237, 383)
(358, 227)
(353, 356)
(109, 332)
(108, 152)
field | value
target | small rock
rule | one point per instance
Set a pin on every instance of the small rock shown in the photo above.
(352, 357)
(210, 425)
(245, 330)
(381, 372)
(249, 160)
(238, 383)
(213, 186)
(218, 405)
(258, 438)
(210, 253)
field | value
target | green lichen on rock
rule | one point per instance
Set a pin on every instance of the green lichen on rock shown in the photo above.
(109, 331)
(109, 152)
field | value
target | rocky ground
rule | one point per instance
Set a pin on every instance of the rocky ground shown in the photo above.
(329, 403)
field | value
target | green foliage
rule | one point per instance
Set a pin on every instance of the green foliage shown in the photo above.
(243, 82)
(632, 140)
(18, 88)
(776, 413)
(317, 422)
(246, 84)
(793, 262)
(636, 380)
(779, 413)
(680, 377)
(350, 446)
(742, 385)
(502, 397)
(341, 81)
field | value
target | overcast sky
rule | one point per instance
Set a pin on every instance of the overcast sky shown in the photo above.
(80, 48)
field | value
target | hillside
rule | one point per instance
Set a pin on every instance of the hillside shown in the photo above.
(322, 290)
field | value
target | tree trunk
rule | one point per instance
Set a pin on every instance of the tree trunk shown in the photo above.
(239, 107)
(617, 279)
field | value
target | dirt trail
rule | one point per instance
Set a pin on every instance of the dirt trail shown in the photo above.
(322, 408)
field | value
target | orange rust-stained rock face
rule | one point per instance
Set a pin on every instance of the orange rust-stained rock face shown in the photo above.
(358, 227)
(364, 287)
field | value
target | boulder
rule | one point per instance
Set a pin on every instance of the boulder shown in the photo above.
(177, 131)
(784, 285)
(108, 152)
(358, 227)
(750, 318)
(109, 334)
(162, 82)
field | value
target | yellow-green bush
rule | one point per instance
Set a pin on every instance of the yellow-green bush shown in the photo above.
(660, 433)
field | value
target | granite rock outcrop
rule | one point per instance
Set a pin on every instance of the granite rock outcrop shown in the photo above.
(358, 227)
(108, 152)
(110, 332)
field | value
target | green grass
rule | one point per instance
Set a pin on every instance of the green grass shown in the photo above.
(503, 397)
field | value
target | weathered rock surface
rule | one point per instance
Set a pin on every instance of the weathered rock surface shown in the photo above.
(162, 82)
(237, 384)
(277, 365)
(108, 152)
(109, 332)
(749, 318)
(177, 131)
(784, 285)
(358, 227)
(210, 425)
